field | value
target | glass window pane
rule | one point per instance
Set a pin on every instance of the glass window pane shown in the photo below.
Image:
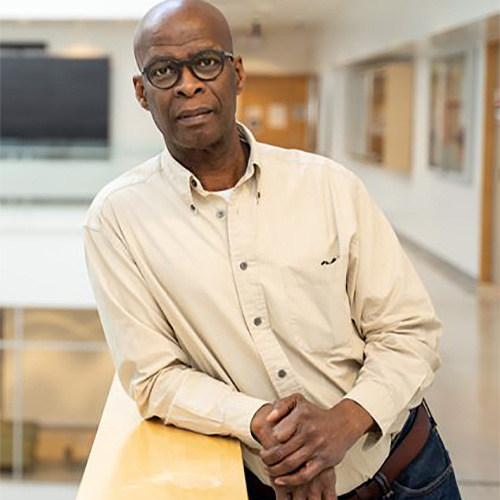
(63, 394)
(447, 113)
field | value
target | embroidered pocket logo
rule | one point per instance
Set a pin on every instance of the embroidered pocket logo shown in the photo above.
(326, 263)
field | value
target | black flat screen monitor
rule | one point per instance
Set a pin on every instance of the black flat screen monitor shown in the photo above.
(54, 99)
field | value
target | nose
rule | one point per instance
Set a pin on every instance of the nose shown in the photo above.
(188, 85)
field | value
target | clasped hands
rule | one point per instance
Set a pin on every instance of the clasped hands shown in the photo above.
(303, 443)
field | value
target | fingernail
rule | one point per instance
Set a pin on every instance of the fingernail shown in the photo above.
(280, 482)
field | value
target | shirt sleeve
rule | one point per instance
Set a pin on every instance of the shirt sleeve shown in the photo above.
(394, 316)
(150, 364)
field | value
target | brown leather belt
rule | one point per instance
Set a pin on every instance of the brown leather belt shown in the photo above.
(399, 459)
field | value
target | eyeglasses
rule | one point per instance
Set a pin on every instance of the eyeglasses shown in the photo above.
(205, 65)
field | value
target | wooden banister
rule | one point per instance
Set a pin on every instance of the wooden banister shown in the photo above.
(134, 459)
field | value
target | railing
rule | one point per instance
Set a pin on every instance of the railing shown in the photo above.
(136, 459)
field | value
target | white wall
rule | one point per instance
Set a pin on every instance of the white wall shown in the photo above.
(438, 213)
(42, 261)
(281, 51)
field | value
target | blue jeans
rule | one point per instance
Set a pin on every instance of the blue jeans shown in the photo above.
(430, 476)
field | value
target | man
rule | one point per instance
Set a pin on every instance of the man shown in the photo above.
(257, 292)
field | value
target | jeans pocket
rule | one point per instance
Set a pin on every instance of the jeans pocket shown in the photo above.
(430, 476)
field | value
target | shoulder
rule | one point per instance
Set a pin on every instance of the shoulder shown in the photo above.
(303, 165)
(131, 180)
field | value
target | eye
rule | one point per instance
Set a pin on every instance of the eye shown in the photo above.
(208, 61)
(162, 69)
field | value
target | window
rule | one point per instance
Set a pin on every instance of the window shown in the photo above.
(55, 373)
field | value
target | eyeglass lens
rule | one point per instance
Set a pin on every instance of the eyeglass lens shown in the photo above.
(205, 65)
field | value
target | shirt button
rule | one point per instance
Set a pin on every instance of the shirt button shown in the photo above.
(193, 208)
(243, 266)
(194, 183)
(282, 373)
(220, 214)
(257, 321)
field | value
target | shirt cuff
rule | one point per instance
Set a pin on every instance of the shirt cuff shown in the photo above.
(239, 410)
(377, 401)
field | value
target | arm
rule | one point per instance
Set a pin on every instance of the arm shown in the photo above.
(393, 314)
(152, 367)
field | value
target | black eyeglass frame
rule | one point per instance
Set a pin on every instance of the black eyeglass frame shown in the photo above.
(180, 63)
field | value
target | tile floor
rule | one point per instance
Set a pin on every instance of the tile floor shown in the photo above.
(465, 396)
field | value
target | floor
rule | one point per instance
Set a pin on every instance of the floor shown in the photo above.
(465, 395)
(464, 398)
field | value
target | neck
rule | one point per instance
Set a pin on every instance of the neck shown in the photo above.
(219, 166)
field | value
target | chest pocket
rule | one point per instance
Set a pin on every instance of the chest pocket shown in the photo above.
(318, 306)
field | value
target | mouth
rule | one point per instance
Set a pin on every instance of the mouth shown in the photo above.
(194, 115)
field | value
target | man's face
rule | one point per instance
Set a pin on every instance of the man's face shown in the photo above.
(193, 113)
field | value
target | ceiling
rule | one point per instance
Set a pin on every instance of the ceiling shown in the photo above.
(240, 13)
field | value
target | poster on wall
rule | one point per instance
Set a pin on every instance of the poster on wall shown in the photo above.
(449, 126)
(277, 116)
(254, 118)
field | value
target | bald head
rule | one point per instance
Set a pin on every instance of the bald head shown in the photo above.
(157, 23)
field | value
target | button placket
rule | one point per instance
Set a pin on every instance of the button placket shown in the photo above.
(242, 230)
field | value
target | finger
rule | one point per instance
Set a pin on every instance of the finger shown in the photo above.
(281, 493)
(278, 453)
(310, 470)
(315, 489)
(287, 427)
(291, 463)
(300, 493)
(282, 407)
(328, 479)
(329, 495)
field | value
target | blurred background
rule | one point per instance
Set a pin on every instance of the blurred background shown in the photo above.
(405, 94)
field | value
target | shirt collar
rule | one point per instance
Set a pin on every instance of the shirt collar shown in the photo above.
(184, 181)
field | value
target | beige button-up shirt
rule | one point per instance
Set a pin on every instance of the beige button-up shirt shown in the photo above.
(212, 308)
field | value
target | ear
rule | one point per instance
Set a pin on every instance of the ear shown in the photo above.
(241, 75)
(140, 92)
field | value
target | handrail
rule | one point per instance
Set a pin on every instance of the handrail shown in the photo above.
(134, 459)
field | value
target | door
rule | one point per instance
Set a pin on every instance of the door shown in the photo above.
(490, 258)
(277, 109)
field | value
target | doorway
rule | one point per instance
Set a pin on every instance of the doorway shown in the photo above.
(490, 255)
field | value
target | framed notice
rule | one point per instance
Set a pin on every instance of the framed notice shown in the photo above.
(450, 112)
